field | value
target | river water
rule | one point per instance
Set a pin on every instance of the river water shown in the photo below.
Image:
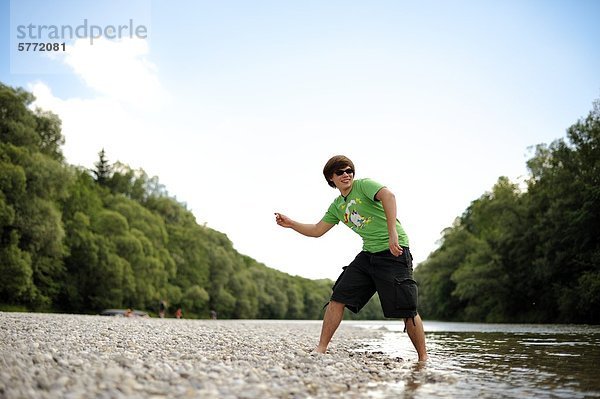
(470, 360)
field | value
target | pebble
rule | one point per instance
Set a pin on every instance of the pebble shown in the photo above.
(76, 356)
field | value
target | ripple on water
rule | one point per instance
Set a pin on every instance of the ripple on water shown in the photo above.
(496, 362)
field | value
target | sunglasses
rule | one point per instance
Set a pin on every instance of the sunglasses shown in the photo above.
(340, 172)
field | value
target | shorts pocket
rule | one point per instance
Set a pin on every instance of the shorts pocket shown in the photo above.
(406, 294)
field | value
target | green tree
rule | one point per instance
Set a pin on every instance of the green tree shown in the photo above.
(16, 283)
(526, 257)
(50, 135)
(564, 213)
(32, 182)
(103, 171)
(195, 300)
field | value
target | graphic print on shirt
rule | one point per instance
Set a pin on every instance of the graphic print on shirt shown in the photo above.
(352, 215)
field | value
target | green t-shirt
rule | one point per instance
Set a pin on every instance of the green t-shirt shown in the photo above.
(365, 215)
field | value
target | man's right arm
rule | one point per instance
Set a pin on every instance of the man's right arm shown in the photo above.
(309, 230)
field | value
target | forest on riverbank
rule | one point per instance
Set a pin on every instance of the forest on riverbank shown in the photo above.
(527, 255)
(78, 240)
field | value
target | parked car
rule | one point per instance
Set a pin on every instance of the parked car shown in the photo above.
(124, 313)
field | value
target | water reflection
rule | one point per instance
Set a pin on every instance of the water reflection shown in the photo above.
(499, 361)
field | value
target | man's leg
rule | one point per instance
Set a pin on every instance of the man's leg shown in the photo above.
(331, 321)
(417, 336)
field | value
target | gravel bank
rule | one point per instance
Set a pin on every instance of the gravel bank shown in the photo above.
(76, 356)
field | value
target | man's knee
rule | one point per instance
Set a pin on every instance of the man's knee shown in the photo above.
(407, 324)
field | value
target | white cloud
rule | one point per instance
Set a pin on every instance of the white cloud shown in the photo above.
(119, 70)
(127, 90)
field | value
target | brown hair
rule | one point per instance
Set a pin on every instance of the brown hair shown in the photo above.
(335, 163)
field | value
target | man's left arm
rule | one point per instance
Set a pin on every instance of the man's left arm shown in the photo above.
(388, 200)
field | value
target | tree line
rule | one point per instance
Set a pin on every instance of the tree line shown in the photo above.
(78, 240)
(526, 255)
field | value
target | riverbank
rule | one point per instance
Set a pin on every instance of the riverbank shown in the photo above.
(76, 356)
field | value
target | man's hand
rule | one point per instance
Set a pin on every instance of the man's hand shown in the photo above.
(283, 220)
(395, 247)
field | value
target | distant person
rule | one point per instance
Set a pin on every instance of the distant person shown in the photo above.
(385, 264)
(213, 314)
(178, 313)
(129, 313)
(162, 307)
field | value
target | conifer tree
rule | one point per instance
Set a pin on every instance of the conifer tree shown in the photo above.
(103, 169)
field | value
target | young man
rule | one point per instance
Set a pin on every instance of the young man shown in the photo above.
(384, 265)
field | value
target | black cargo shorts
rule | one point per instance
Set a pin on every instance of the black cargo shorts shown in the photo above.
(382, 272)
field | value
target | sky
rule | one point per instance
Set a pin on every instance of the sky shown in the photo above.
(236, 105)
